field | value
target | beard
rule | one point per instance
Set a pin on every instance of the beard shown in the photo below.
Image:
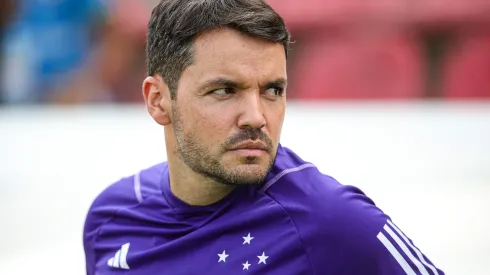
(201, 159)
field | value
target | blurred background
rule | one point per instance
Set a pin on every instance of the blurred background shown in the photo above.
(393, 97)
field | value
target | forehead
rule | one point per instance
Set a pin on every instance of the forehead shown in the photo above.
(229, 53)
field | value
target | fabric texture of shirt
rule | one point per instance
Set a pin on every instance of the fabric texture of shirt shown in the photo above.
(299, 221)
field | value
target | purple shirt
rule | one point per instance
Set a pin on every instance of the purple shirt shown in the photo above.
(299, 221)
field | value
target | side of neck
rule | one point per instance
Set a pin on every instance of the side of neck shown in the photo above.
(193, 188)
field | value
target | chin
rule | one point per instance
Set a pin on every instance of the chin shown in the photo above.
(246, 170)
(251, 173)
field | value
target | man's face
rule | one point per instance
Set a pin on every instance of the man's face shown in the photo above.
(230, 105)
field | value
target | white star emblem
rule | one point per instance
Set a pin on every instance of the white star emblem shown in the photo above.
(262, 258)
(222, 256)
(246, 265)
(247, 239)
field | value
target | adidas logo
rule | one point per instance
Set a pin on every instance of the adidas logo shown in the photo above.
(119, 260)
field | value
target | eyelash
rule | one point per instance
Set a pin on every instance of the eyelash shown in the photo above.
(279, 90)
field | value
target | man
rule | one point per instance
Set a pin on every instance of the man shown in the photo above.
(230, 199)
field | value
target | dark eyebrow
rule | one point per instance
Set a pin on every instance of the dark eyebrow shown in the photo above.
(223, 82)
(219, 82)
(280, 82)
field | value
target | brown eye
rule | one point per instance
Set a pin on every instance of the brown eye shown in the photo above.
(275, 91)
(222, 91)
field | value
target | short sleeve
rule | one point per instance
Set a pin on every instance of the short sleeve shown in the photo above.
(104, 207)
(371, 242)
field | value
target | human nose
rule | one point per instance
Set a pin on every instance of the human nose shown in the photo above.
(252, 114)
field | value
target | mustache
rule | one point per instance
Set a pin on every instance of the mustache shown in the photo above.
(248, 134)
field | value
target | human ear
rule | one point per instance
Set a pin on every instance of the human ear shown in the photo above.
(157, 98)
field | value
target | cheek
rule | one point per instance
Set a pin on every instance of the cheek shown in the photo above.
(275, 121)
(211, 127)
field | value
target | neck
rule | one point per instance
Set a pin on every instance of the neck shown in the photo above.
(193, 188)
(189, 186)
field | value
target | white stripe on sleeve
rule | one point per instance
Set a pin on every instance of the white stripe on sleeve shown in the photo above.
(419, 254)
(398, 257)
(405, 249)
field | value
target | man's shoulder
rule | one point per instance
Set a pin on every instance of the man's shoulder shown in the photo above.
(125, 192)
(332, 218)
(293, 178)
(342, 229)
(307, 193)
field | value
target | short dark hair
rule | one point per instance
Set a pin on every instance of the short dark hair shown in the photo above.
(174, 24)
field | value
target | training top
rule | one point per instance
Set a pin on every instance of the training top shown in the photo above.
(298, 221)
